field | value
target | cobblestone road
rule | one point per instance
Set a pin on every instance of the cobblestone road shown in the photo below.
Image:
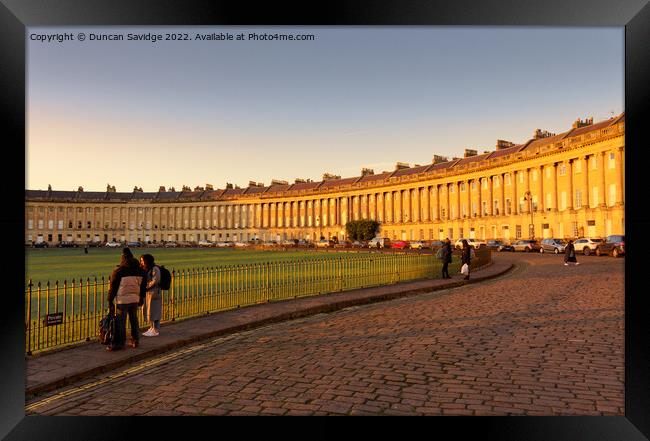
(545, 339)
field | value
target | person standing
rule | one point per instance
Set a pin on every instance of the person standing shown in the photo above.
(86, 248)
(446, 258)
(125, 293)
(152, 307)
(466, 256)
(570, 254)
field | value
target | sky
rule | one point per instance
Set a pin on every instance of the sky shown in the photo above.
(173, 113)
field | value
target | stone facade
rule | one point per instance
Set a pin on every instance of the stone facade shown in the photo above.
(565, 185)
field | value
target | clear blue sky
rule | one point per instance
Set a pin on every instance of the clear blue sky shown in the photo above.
(174, 113)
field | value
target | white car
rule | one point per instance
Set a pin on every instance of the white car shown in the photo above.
(586, 245)
(241, 244)
(205, 243)
(113, 244)
(323, 244)
(474, 243)
(417, 245)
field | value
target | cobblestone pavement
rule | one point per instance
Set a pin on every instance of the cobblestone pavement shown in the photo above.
(546, 339)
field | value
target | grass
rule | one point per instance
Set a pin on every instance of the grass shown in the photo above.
(51, 264)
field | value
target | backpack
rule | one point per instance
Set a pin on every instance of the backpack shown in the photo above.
(165, 278)
(107, 329)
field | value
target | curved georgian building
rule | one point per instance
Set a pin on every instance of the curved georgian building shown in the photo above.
(554, 185)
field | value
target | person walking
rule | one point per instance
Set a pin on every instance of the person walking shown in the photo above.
(125, 293)
(466, 256)
(570, 254)
(446, 258)
(152, 307)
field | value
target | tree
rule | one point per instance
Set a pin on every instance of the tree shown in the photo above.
(362, 229)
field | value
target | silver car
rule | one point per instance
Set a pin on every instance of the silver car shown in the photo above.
(553, 246)
(587, 245)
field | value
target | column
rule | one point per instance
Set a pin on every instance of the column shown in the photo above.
(468, 198)
(620, 178)
(569, 171)
(406, 206)
(554, 173)
(527, 177)
(515, 196)
(447, 202)
(490, 182)
(457, 199)
(381, 216)
(479, 194)
(425, 210)
(344, 211)
(435, 203)
(584, 164)
(602, 190)
(541, 203)
(389, 207)
(397, 207)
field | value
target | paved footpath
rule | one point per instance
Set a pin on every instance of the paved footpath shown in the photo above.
(544, 339)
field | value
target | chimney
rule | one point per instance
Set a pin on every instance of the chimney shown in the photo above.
(161, 189)
(209, 187)
(539, 134)
(299, 181)
(470, 152)
(80, 189)
(228, 185)
(367, 171)
(330, 176)
(49, 187)
(437, 159)
(401, 165)
(170, 189)
(198, 188)
(186, 188)
(278, 182)
(501, 144)
(486, 151)
(580, 123)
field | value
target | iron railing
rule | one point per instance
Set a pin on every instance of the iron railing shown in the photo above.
(61, 314)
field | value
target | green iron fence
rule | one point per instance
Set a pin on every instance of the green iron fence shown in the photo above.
(60, 314)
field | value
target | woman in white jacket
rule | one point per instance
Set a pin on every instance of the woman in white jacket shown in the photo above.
(152, 307)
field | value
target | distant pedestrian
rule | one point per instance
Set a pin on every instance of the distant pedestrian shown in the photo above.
(570, 254)
(86, 248)
(152, 307)
(466, 256)
(446, 258)
(126, 291)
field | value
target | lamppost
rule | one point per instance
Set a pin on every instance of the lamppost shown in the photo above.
(531, 228)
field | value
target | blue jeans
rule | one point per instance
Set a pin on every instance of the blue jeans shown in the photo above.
(121, 312)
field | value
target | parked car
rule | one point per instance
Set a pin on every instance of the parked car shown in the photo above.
(474, 243)
(154, 245)
(358, 244)
(113, 244)
(94, 244)
(436, 244)
(41, 245)
(587, 245)
(399, 244)
(343, 244)
(241, 244)
(323, 244)
(556, 246)
(289, 242)
(526, 245)
(383, 242)
(171, 244)
(416, 245)
(67, 244)
(221, 244)
(499, 245)
(134, 244)
(614, 245)
(205, 243)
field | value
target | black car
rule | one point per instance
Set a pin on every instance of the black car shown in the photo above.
(134, 244)
(614, 245)
(67, 244)
(499, 245)
(41, 245)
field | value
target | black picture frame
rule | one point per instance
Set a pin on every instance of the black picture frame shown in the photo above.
(16, 15)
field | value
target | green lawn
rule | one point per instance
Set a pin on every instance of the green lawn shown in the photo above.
(43, 264)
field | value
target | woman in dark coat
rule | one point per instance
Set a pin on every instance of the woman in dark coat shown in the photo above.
(446, 259)
(466, 256)
(570, 254)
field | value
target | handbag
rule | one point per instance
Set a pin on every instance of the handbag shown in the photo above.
(464, 269)
(107, 329)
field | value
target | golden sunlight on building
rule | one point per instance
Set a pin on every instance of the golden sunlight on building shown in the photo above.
(555, 185)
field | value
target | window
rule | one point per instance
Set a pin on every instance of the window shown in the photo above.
(578, 168)
(578, 203)
(574, 226)
(508, 206)
(521, 177)
(462, 186)
(485, 208)
(473, 185)
(612, 194)
(451, 188)
(30, 224)
(496, 207)
(594, 163)
(612, 161)
(60, 225)
(496, 181)
(518, 231)
(507, 177)
(50, 224)
(562, 170)
(40, 223)
(485, 183)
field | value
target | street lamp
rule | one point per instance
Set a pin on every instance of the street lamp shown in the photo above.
(529, 197)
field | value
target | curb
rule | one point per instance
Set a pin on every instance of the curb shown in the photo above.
(309, 311)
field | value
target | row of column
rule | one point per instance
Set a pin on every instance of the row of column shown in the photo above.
(483, 196)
